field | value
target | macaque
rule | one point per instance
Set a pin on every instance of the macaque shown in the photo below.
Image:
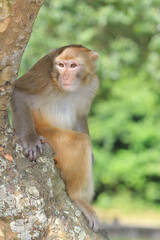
(51, 103)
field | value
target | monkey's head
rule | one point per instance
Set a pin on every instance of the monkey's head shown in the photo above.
(74, 66)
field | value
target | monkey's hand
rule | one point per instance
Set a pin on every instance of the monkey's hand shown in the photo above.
(31, 144)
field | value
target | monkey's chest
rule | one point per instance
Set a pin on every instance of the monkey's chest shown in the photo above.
(59, 115)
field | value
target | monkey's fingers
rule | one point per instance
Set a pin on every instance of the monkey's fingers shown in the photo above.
(31, 152)
(26, 153)
(39, 147)
(33, 155)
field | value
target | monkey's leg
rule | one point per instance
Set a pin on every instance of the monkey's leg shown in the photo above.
(83, 193)
(74, 159)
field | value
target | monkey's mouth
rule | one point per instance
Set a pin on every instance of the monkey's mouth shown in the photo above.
(69, 86)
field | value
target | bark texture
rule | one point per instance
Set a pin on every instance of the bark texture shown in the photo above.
(33, 201)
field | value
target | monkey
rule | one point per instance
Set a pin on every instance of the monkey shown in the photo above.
(51, 103)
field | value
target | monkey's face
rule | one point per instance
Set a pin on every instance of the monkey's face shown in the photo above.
(69, 74)
(75, 67)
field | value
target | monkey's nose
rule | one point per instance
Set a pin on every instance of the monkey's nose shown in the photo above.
(65, 77)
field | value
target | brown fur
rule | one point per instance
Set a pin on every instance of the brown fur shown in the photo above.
(42, 105)
(72, 156)
(72, 153)
(33, 81)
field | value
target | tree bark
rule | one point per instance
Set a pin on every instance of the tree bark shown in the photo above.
(33, 201)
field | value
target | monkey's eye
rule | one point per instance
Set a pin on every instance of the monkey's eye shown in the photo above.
(61, 65)
(73, 65)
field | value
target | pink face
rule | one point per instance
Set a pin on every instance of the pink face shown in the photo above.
(68, 74)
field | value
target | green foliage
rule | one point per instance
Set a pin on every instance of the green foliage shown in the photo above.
(125, 117)
(127, 136)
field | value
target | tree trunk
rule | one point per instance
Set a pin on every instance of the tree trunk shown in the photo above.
(33, 201)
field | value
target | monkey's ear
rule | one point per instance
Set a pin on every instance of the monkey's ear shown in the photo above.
(94, 56)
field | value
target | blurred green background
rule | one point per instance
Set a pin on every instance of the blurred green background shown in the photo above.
(124, 120)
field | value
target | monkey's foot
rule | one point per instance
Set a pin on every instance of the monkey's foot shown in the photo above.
(93, 222)
(90, 214)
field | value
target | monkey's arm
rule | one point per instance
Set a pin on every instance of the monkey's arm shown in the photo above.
(82, 124)
(24, 125)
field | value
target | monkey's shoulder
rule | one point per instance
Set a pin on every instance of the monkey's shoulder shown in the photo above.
(37, 78)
